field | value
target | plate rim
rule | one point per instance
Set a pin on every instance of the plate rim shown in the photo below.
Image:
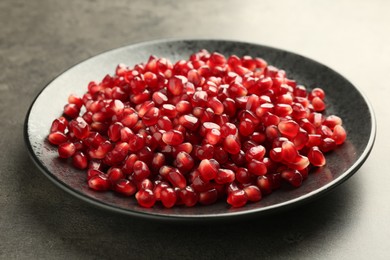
(315, 194)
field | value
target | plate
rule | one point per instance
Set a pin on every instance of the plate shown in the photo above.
(343, 99)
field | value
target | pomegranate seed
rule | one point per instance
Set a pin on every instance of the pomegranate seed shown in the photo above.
(184, 162)
(99, 183)
(80, 160)
(57, 138)
(71, 110)
(316, 157)
(256, 167)
(173, 137)
(177, 179)
(293, 177)
(237, 198)
(114, 175)
(289, 152)
(125, 187)
(80, 128)
(256, 152)
(253, 193)
(145, 198)
(264, 184)
(188, 196)
(246, 127)
(224, 176)
(141, 170)
(288, 128)
(208, 197)
(66, 150)
(208, 169)
(231, 144)
(151, 116)
(339, 134)
(59, 125)
(168, 197)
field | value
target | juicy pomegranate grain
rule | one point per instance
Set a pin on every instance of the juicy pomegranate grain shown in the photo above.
(66, 150)
(145, 198)
(197, 131)
(99, 183)
(237, 198)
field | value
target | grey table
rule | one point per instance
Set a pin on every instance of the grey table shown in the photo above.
(40, 39)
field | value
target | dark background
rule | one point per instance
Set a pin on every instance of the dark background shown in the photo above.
(41, 39)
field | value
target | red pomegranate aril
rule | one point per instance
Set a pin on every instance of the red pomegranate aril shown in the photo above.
(246, 127)
(264, 184)
(332, 120)
(93, 172)
(314, 140)
(231, 144)
(301, 139)
(183, 107)
(190, 122)
(79, 160)
(327, 144)
(316, 157)
(159, 98)
(66, 150)
(114, 174)
(253, 193)
(224, 176)
(184, 162)
(158, 161)
(208, 197)
(220, 155)
(257, 168)
(114, 131)
(213, 137)
(57, 138)
(237, 198)
(168, 197)
(276, 154)
(293, 177)
(317, 92)
(125, 187)
(289, 152)
(208, 169)
(151, 116)
(141, 170)
(256, 152)
(59, 125)
(288, 128)
(136, 143)
(300, 163)
(177, 179)
(145, 184)
(99, 183)
(243, 176)
(158, 186)
(101, 151)
(205, 151)
(145, 198)
(173, 137)
(339, 134)
(188, 196)
(71, 110)
(239, 158)
(80, 128)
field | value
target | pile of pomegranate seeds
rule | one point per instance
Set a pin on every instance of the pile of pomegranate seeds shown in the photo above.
(197, 131)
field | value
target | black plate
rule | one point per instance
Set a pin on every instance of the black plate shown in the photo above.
(343, 99)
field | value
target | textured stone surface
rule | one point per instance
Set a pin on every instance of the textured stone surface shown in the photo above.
(40, 39)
